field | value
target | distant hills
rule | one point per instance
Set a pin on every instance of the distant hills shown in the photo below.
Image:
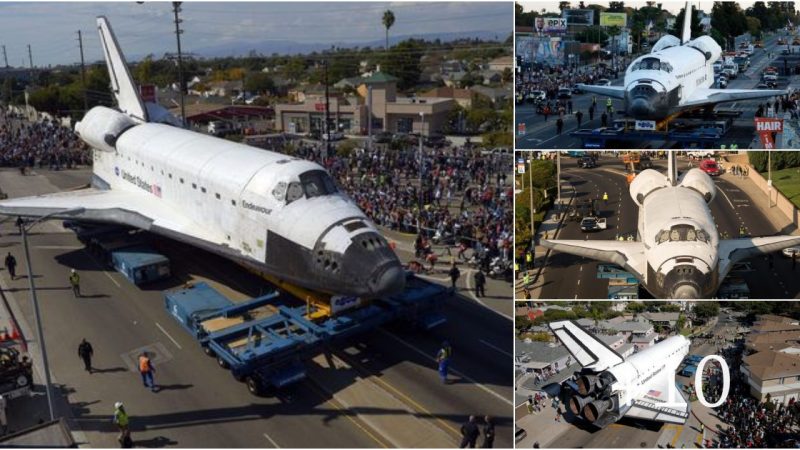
(283, 47)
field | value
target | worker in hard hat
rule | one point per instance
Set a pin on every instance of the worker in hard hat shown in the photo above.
(121, 420)
(75, 282)
(443, 358)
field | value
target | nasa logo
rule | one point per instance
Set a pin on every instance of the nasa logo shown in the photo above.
(645, 125)
(116, 170)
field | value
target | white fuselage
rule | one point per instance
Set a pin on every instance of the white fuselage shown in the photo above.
(679, 234)
(256, 205)
(649, 367)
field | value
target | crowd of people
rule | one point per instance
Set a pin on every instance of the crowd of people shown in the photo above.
(550, 79)
(750, 423)
(44, 143)
(464, 196)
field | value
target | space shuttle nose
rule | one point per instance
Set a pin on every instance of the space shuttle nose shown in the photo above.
(388, 281)
(641, 107)
(685, 291)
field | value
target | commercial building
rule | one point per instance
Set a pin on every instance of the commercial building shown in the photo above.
(349, 114)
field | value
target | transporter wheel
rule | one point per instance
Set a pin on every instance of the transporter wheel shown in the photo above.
(238, 377)
(254, 386)
(222, 363)
(209, 352)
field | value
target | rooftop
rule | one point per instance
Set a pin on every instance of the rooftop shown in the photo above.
(380, 77)
(773, 364)
(539, 352)
(662, 316)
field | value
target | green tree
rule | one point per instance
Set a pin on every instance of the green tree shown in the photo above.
(635, 307)
(260, 83)
(403, 61)
(706, 310)
(758, 160)
(388, 21)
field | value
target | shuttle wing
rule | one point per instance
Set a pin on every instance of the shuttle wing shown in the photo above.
(732, 251)
(661, 400)
(629, 255)
(608, 91)
(590, 352)
(709, 96)
(117, 207)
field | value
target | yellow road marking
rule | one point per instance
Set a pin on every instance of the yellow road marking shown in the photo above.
(351, 419)
(677, 435)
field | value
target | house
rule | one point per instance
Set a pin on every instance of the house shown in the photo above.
(492, 77)
(453, 79)
(775, 373)
(501, 63)
(461, 96)
(663, 319)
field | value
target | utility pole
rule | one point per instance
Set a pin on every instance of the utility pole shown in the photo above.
(5, 57)
(176, 8)
(30, 59)
(83, 73)
(369, 117)
(327, 111)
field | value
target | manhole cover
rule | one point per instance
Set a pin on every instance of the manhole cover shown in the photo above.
(158, 355)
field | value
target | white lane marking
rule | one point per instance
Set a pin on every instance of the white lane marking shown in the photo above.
(460, 374)
(112, 279)
(170, 337)
(496, 348)
(102, 268)
(729, 200)
(58, 247)
(428, 277)
(271, 441)
(475, 297)
(579, 281)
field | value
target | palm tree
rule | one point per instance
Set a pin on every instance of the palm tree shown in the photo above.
(388, 21)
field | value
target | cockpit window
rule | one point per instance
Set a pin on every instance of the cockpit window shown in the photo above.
(317, 183)
(294, 192)
(314, 183)
(652, 64)
(682, 233)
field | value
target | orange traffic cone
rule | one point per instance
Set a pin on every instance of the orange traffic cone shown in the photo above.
(15, 335)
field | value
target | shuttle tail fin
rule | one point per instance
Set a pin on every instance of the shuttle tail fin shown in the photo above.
(686, 34)
(672, 168)
(122, 84)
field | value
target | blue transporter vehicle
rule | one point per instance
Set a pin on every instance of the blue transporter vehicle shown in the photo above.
(264, 341)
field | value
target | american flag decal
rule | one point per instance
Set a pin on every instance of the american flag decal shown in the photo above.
(654, 393)
(156, 189)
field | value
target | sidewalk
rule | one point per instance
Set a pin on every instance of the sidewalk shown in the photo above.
(542, 427)
(548, 229)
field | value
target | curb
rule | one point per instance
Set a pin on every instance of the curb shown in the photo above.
(555, 235)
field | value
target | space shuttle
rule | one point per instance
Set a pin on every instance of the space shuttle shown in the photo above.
(675, 76)
(677, 253)
(276, 214)
(610, 387)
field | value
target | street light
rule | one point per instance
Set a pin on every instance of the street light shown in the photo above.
(37, 315)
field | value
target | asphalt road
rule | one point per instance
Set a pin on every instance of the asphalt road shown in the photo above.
(541, 134)
(377, 390)
(570, 277)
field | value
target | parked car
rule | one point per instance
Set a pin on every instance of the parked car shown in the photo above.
(592, 223)
(536, 96)
(587, 162)
(564, 93)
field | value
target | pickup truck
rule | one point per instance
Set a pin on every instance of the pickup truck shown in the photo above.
(593, 224)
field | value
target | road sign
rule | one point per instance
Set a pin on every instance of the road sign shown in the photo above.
(521, 129)
(521, 168)
(765, 126)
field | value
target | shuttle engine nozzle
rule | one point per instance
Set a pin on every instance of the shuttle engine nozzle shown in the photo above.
(595, 409)
(586, 384)
(577, 403)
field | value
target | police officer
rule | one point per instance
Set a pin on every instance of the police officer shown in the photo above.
(469, 433)
(488, 432)
(75, 282)
(85, 352)
(480, 283)
(528, 260)
(559, 125)
(454, 274)
(11, 265)
(443, 358)
(579, 117)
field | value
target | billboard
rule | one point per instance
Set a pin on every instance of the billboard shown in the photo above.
(540, 49)
(608, 19)
(579, 17)
(542, 25)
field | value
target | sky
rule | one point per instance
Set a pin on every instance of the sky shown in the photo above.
(51, 28)
(672, 6)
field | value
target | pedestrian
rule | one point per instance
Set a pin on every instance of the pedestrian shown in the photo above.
(480, 284)
(609, 105)
(443, 358)
(455, 274)
(546, 112)
(559, 125)
(85, 352)
(3, 416)
(11, 265)
(591, 113)
(469, 433)
(604, 120)
(146, 369)
(122, 421)
(20, 223)
(488, 432)
(569, 107)
(579, 117)
(75, 282)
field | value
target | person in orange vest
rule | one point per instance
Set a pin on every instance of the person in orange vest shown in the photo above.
(146, 369)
